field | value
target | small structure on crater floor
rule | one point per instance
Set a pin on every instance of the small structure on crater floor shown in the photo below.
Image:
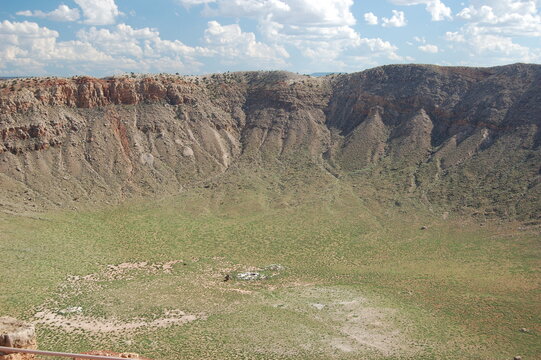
(250, 276)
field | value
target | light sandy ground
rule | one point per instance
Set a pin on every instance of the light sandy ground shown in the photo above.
(359, 325)
(124, 271)
(111, 325)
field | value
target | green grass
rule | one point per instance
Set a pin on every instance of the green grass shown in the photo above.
(457, 290)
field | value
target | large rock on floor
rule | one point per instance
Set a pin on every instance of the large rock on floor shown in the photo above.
(18, 334)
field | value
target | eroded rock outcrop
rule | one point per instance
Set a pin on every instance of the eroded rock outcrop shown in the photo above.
(17, 334)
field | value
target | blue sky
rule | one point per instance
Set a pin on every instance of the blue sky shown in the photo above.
(104, 37)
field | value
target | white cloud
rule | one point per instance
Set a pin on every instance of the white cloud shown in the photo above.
(499, 45)
(321, 30)
(62, 13)
(374, 52)
(123, 40)
(143, 49)
(428, 48)
(28, 48)
(31, 49)
(189, 3)
(230, 42)
(437, 9)
(371, 19)
(504, 17)
(491, 27)
(290, 12)
(99, 12)
(322, 45)
(467, 13)
(493, 49)
(226, 42)
(397, 20)
(380, 46)
(454, 36)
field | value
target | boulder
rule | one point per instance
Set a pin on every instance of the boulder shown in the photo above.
(17, 334)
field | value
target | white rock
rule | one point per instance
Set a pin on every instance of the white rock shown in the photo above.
(147, 159)
(187, 151)
(250, 276)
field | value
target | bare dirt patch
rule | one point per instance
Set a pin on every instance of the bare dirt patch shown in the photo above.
(126, 271)
(96, 325)
(357, 324)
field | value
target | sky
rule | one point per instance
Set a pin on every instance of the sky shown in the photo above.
(107, 37)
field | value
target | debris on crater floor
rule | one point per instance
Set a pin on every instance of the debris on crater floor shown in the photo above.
(275, 267)
(266, 272)
(250, 276)
(71, 310)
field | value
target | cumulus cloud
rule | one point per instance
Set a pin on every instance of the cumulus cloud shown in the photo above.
(380, 46)
(290, 12)
(318, 43)
(121, 40)
(143, 49)
(454, 36)
(437, 9)
(26, 38)
(99, 12)
(62, 13)
(397, 20)
(230, 42)
(495, 45)
(491, 27)
(371, 19)
(320, 30)
(505, 17)
(31, 49)
(428, 48)
(373, 52)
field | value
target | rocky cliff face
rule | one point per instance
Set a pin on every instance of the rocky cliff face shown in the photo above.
(464, 137)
